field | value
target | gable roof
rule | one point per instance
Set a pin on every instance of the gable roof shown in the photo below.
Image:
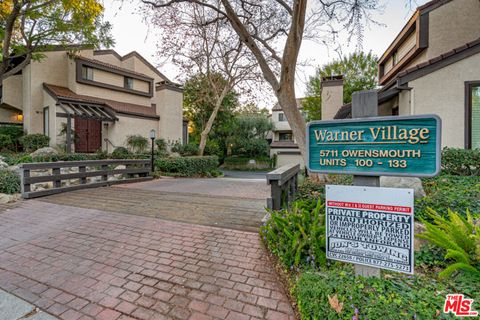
(129, 55)
(118, 106)
(422, 69)
(439, 62)
(113, 67)
(299, 101)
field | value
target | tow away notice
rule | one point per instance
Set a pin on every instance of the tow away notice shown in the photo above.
(370, 226)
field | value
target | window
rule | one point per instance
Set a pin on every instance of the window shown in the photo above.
(46, 121)
(87, 73)
(395, 58)
(285, 136)
(281, 117)
(473, 115)
(128, 83)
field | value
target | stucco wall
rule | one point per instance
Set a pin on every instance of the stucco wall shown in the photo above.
(452, 25)
(53, 130)
(170, 109)
(118, 132)
(284, 157)
(404, 103)
(279, 125)
(12, 91)
(332, 100)
(104, 93)
(443, 93)
(26, 97)
(9, 115)
(51, 70)
(107, 78)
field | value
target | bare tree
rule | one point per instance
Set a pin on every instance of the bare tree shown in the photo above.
(273, 31)
(199, 41)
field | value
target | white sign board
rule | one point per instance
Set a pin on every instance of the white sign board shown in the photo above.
(370, 226)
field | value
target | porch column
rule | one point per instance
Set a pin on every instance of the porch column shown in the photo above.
(69, 133)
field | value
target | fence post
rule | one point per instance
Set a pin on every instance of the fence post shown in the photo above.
(365, 105)
(57, 183)
(24, 187)
(105, 176)
(82, 169)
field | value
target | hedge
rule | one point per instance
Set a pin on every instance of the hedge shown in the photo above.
(17, 158)
(461, 162)
(188, 166)
(32, 142)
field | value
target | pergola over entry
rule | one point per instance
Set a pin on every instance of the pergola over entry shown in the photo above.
(83, 110)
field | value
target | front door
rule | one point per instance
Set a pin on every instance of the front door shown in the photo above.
(88, 135)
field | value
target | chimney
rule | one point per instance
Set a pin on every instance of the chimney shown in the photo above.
(332, 96)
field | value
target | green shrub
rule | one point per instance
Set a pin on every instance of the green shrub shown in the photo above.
(297, 235)
(189, 149)
(396, 297)
(9, 182)
(445, 191)
(161, 147)
(461, 162)
(188, 166)
(120, 153)
(460, 237)
(14, 132)
(32, 142)
(137, 143)
(5, 142)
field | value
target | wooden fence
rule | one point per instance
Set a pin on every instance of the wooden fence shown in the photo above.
(88, 174)
(284, 184)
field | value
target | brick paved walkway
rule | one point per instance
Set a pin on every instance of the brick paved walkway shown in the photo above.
(79, 263)
(220, 211)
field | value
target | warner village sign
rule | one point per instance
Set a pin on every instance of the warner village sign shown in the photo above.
(399, 146)
(370, 226)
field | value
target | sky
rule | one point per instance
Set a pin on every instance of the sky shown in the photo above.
(132, 33)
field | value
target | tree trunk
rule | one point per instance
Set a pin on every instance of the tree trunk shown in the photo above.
(286, 99)
(208, 127)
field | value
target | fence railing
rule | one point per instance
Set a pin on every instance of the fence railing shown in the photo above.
(284, 183)
(63, 176)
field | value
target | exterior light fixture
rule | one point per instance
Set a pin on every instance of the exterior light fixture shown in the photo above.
(152, 136)
(19, 117)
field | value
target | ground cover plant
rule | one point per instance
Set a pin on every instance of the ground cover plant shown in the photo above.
(325, 289)
(9, 182)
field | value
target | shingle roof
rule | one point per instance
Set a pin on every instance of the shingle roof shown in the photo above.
(345, 112)
(442, 57)
(118, 106)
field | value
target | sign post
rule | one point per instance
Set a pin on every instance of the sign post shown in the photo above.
(365, 105)
(368, 147)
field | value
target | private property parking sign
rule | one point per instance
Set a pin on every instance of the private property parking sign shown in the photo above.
(370, 226)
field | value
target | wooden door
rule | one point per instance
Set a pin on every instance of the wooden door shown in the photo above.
(94, 135)
(88, 135)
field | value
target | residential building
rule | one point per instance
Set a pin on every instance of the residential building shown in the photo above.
(100, 95)
(283, 145)
(433, 67)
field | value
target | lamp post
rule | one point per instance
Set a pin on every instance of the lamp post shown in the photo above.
(152, 137)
